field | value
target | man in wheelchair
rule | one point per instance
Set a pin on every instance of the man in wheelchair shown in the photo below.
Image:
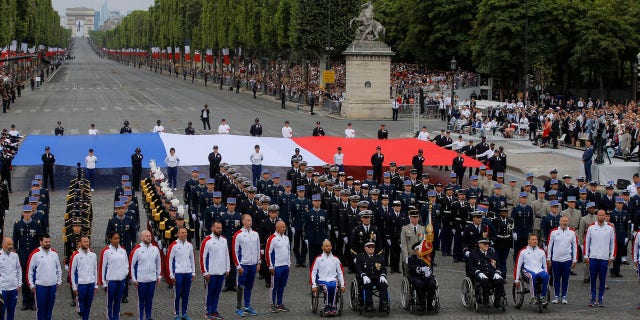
(532, 263)
(421, 278)
(326, 272)
(371, 272)
(483, 268)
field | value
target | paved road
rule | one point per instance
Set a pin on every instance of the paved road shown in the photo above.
(90, 90)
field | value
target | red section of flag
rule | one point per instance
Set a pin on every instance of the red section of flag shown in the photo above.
(197, 57)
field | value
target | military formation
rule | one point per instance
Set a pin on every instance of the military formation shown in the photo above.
(320, 217)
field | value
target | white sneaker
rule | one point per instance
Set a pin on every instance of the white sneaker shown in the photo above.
(92, 190)
(564, 300)
(555, 300)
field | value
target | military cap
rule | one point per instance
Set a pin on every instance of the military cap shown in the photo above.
(303, 163)
(571, 198)
(490, 172)
(35, 183)
(566, 176)
(276, 175)
(124, 177)
(452, 175)
(554, 203)
(512, 179)
(392, 164)
(590, 204)
(126, 184)
(287, 183)
(406, 183)
(386, 175)
(553, 192)
(211, 180)
(316, 174)
(217, 194)
(526, 184)
(582, 190)
(345, 193)
(474, 177)
(231, 200)
(524, 194)
(581, 178)
(370, 244)
(483, 167)
(363, 203)
(316, 197)
(202, 176)
(439, 184)
(334, 169)
(308, 169)
(431, 194)
(273, 207)
(38, 177)
(128, 192)
(426, 176)
(384, 196)
(26, 208)
(529, 175)
(119, 204)
(265, 199)
(246, 183)
(375, 191)
(554, 181)
(619, 200)
(497, 186)
(300, 188)
(365, 213)
(477, 213)
(252, 189)
(35, 192)
(341, 174)
(625, 192)
(483, 240)
(33, 199)
(413, 212)
(337, 187)
(500, 175)
(354, 198)
(554, 170)
(397, 203)
(265, 171)
(369, 172)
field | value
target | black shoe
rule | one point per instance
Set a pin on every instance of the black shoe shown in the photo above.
(170, 286)
(24, 307)
(303, 265)
(267, 285)
(260, 277)
(626, 263)
(619, 275)
(73, 303)
(225, 289)
(573, 273)
(32, 307)
(125, 300)
(586, 281)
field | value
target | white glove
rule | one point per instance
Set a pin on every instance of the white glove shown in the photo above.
(293, 231)
(427, 271)
(202, 227)
(515, 236)
(466, 254)
(406, 260)
(262, 252)
(329, 226)
(453, 231)
(193, 217)
(306, 242)
(66, 267)
(345, 240)
(383, 280)
(496, 276)
(482, 276)
(366, 280)
(626, 240)
(337, 234)
(389, 242)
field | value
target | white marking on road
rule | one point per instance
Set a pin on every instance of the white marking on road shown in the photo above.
(155, 102)
(113, 130)
(33, 110)
(74, 86)
(118, 108)
(18, 111)
(47, 110)
(90, 109)
(104, 108)
(35, 132)
(74, 131)
(136, 100)
(131, 108)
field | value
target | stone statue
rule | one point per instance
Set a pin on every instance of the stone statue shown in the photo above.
(370, 28)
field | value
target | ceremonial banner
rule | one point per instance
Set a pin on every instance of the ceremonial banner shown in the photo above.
(225, 54)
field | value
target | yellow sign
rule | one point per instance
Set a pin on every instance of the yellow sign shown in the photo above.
(328, 76)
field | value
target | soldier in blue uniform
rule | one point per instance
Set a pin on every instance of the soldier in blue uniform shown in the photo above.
(446, 235)
(373, 184)
(26, 238)
(534, 189)
(131, 209)
(38, 213)
(120, 189)
(522, 216)
(285, 201)
(264, 182)
(502, 237)
(387, 187)
(316, 228)
(460, 211)
(407, 197)
(453, 182)
(275, 190)
(608, 199)
(299, 210)
(363, 233)
(206, 198)
(231, 222)
(126, 228)
(550, 221)
(474, 188)
(497, 200)
(214, 211)
(621, 221)
(474, 231)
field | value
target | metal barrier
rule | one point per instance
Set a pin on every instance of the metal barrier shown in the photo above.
(332, 106)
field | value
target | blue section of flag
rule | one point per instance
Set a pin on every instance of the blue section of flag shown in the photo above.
(112, 150)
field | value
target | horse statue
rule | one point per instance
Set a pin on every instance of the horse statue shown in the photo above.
(370, 28)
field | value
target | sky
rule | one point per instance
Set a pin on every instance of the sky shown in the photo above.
(115, 5)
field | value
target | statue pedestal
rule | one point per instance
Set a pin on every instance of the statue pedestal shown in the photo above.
(367, 81)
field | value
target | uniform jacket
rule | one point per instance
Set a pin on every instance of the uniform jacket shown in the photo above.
(371, 266)
(145, 264)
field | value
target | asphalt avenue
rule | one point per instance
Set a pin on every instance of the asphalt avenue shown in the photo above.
(92, 90)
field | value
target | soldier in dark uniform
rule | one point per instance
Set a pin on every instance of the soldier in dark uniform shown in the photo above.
(453, 182)
(422, 189)
(522, 216)
(71, 244)
(483, 267)
(387, 187)
(125, 127)
(549, 222)
(593, 195)
(481, 148)
(395, 220)
(407, 198)
(136, 169)
(213, 211)
(214, 162)
(266, 229)
(373, 183)
(126, 228)
(377, 159)
(399, 179)
(316, 228)
(59, 130)
(349, 219)
(371, 271)
(231, 223)
(383, 133)
(256, 128)
(275, 190)
(364, 233)
(421, 277)
(26, 238)
(497, 200)
(502, 237)
(296, 157)
(338, 208)
(189, 130)
(457, 166)
(621, 220)
(318, 131)
(285, 201)
(206, 198)
(608, 199)
(189, 186)
(264, 182)
(476, 230)
(474, 189)
(460, 211)
(48, 160)
(446, 235)
(417, 162)
(299, 210)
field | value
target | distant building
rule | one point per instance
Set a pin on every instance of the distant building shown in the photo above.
(96, 21)
(80, 21)
(111, 23)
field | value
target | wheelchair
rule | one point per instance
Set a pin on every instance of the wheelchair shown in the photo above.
(409, 297)
(315, 300)
(355, 294)
(520, 293)
(471, 295)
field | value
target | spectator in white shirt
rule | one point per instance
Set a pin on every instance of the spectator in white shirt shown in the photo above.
(458, 144)
(90, 163)
(13, 132)
(223, 128)
(92, 130)
(349, 132)
(287, 132)
(424, 134)
(338, 159)
(172, 161)
(256, 164)
(158, 128)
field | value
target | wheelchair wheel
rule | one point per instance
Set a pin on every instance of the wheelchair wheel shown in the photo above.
(314, 301)
(405, 299)
(518, 295)
(436, 300)
(467, 294)
(353, 295)
(339, 302)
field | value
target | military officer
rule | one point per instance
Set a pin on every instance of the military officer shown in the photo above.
(511, 192)
(377, 159)
(71, 244)
(497, 199)
(422, 189)
(522, 215)
(448, 221)
(231, 223)
(407, 197)
(410, 234)
(299, 210)
(214, 162)
(581, 202)
(214, 211)
(540, 208)
(387, 187)
(373, 183)
(265, 181)
(550, 221)
(126, 228)
(421, 276)
(474, 188)
(396, 219)
(125, 127)
(482, 264)
(460, 211)
(371, 270)
(26, 237)
(502, 237)
(585, 222)
(136, 169)
(316, 227)
(266, 229)
(621, 221)
(572, 213)
(364, 233)
(475, 231)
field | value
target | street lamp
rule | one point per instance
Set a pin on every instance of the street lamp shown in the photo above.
(454, 64)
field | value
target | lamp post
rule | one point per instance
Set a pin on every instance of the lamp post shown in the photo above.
(454, 64)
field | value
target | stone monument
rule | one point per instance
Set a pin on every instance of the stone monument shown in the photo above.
(368, 69)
